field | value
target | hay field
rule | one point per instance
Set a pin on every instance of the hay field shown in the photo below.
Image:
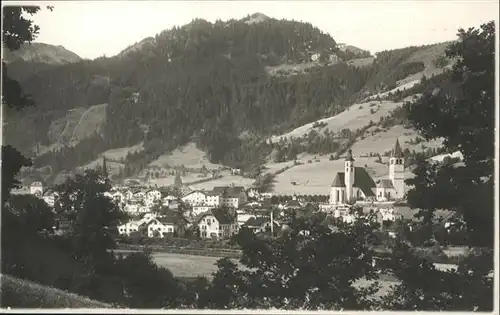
(191, 266)
(188, 155)
(186, 265)
(119, 153)
(354, 117)
(226, 180)
(384, 141)
(319, 175)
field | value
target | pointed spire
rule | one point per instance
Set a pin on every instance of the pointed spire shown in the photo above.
(397, 152)
(349, 156)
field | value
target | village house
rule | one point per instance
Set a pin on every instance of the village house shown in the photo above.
(217, 223)
(293, 204)
(153, 195)
(261, 224)
(171, 223)
(213, 199)
(50, 197)
(253, 193)
(36, 189)
(231, 196)
(200, 209)
(231, 193)
(196, 197)
(127, 194)
(136, 226)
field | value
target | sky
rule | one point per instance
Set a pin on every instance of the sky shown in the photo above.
(93, 29)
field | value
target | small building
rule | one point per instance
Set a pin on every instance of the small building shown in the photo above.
(195, 197)
(217, 223)
(261, 224)
(198, 209)
(153, 195)
(36, 188)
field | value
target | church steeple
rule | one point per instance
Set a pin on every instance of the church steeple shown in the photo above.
(349, 156)
(397, 152)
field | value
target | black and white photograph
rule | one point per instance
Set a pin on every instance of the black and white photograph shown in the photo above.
(250, 156)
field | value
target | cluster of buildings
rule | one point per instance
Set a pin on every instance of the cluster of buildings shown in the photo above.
(222, 211)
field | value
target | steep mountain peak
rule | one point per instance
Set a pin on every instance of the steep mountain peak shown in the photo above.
(256, 18)
(42, 53)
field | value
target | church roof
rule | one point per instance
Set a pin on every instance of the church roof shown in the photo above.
(385, 183)
(339, 180)
(362, 180)
(397, 152)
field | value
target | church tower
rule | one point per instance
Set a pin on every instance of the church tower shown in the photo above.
(396, 170)
(349, 175)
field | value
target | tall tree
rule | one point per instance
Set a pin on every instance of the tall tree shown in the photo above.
(104, 167)
(462, 112)
(93, 218)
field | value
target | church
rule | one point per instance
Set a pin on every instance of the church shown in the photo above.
(356, 185)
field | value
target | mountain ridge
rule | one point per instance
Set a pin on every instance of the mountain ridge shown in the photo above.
(209, 83)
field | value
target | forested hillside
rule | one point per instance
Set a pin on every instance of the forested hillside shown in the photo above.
(203, 82)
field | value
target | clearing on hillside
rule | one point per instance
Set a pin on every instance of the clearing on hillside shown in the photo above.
(383, 141)
(90, 122)
(354, 117)
(225, 180)
(188, 155)
(121, 153)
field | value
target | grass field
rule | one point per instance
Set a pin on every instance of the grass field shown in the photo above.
(315, 178)
(188, 155)
(117, 154)
(356, 116)
(191, 266)
(20, 293)
(226, 180)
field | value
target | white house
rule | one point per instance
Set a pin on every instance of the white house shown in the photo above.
(127, 194)
(260, 224)
(158, 229)
(153, 195)
(129, 227)
(253, 193)
(131, 208)
(213, 199)
(217, 223)
(167, 224)
(118, 196)
(387, 214)
(198, 209)
(139, 195)
(195, 198)
(229, 194)
(36, 189)
(50, 198)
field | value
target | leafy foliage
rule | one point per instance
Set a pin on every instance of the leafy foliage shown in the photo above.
(462, 113)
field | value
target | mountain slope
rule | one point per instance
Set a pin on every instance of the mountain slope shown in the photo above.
(20, 293)
(209, 83)
(41, 53)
